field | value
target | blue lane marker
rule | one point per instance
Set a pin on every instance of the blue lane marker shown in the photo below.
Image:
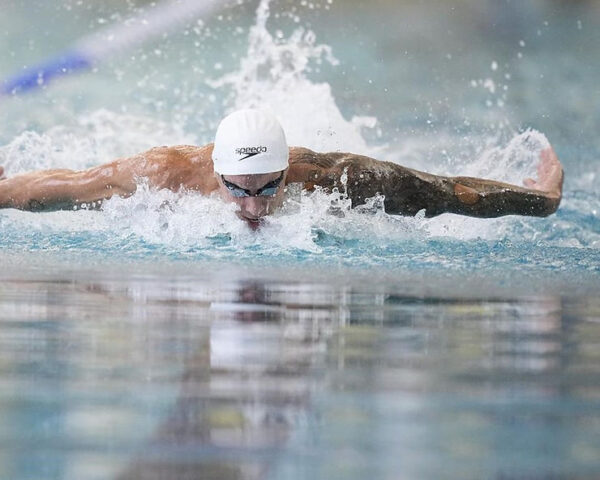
(39, 75)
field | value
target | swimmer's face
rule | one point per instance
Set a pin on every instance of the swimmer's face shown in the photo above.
(255, 206)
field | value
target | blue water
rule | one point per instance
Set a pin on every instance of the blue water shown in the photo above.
(161, 338)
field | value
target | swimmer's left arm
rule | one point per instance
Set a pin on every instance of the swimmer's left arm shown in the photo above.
(488, 198)
(483, 198)
(407, 191)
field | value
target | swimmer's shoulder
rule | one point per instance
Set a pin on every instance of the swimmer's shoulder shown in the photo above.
(323, 168)
(307, 167)
(182, 153)
(301, 157)
(183, 158)
(180, 166)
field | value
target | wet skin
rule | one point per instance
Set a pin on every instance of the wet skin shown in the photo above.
(252, 209)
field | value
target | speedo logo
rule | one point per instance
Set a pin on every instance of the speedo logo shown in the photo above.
(249, 152)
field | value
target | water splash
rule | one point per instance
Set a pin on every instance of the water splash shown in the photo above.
(190, 221)
(513, 162)
(273, 75)
(92, 139)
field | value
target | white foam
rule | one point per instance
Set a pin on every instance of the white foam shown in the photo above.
(183, 221)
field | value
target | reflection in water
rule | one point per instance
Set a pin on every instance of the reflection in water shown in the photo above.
(242, 392)
(160, 378)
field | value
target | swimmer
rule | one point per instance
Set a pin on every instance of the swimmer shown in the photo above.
(250, 164)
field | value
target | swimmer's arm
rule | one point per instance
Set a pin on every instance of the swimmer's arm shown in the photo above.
(407, 191)
(488, 198)
(50, 190)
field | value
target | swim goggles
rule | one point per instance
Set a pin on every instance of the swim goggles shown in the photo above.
(269, 190)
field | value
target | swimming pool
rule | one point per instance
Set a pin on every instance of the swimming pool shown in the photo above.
(160, 338)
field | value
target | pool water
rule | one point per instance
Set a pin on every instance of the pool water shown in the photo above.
(160, 338)
(231, 374)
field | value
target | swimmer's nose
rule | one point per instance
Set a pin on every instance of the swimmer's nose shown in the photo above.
(254, 208)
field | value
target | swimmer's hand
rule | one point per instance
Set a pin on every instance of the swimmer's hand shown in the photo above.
(550, 175)
(2, 176)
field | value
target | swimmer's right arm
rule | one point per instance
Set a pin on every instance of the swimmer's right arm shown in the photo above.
(49, 190)
(173, 168)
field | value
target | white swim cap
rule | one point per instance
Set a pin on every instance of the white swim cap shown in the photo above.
(250, 142)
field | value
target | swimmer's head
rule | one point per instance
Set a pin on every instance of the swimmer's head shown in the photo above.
(251, 158)
(250, 142)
